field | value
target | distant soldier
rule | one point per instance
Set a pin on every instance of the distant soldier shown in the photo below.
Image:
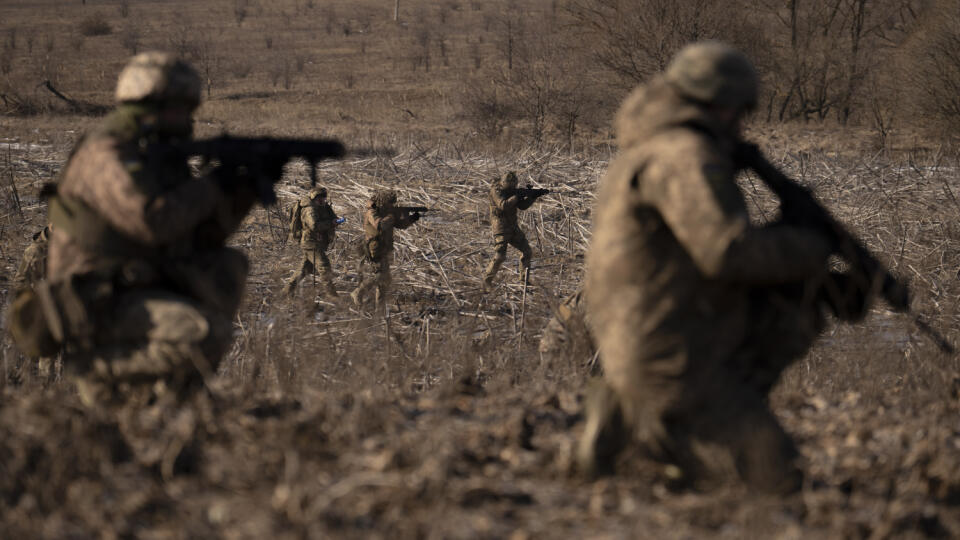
(33, 265)
(313, 225)
(141, 290)
(32, 269)
(696, 310)
(505, 200)
(567, 334)
(379, 221)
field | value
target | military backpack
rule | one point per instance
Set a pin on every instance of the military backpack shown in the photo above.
(296, 224)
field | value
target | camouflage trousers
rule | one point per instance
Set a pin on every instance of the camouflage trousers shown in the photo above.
(151, 336)
(315, 261)
(514, 238)
(710, 415)
(375, 274)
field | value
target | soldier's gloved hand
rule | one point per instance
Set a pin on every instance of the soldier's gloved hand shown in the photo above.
(845, 297)
(745, 154)
(414, 217)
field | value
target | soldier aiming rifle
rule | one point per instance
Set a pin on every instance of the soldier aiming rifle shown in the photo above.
(381, 218)
(141, 289)
(505, 200)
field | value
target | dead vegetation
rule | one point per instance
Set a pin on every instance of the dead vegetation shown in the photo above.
(441, 419)
(444, 422)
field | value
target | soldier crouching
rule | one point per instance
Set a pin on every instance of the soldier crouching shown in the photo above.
(696, 311)
(141, 291)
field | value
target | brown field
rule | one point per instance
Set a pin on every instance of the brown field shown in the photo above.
(445, 421)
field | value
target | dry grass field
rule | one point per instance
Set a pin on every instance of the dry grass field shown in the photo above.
(442, 420)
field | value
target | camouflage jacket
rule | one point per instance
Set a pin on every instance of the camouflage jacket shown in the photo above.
(120, 202)
(378, 231)
(673, 249)
(33, 265)
(319, 225)
(503, 211)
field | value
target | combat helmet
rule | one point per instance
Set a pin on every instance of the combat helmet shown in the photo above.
(714, 73)
(384, 198)
(509, 180)
(158, 77)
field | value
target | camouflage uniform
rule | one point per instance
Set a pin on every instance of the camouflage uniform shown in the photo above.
(33, 265)
(568, 334)
(318, 230)
(144, 285)
(379, 221)
(506, 231)
(32, 269)
(696, 312)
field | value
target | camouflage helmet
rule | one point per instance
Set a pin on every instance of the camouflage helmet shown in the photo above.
(158, 77)
(317, 192)
(384, 198)
(714, 73)
(509, 180)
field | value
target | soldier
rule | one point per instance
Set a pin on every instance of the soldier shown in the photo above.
(379, 221)
(141, 291)
(317, 228)
(506, 230)
(33, 265)
(697, 311)
(567, 334)
(32, 269)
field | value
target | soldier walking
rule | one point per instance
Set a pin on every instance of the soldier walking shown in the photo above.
(314, 225)
(379, 221)
(505, 201)
(695, 310)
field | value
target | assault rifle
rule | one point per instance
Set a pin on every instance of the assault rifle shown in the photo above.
(527, 195)
(528, 192)
(415, 210)
(799, 207)
(261, 159)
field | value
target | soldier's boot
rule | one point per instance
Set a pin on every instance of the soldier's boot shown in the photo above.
(487, 284)
(604, 434)
(491, 273)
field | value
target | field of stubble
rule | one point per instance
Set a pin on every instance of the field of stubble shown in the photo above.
(325, 420)
(442, 421)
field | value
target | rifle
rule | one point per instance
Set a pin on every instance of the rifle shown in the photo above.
(798, 206)
(411, 209)
(259, 158)
(528, 192)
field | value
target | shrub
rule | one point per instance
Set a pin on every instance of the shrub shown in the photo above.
(95, 25)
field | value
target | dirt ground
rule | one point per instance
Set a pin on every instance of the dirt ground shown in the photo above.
(320, 425)
(442, 420)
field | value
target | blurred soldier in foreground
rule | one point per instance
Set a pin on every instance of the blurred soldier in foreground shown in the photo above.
(505, 200)
(567, 335)
(314, 225)
(696, 312)
(379, 221)
(141, 291)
